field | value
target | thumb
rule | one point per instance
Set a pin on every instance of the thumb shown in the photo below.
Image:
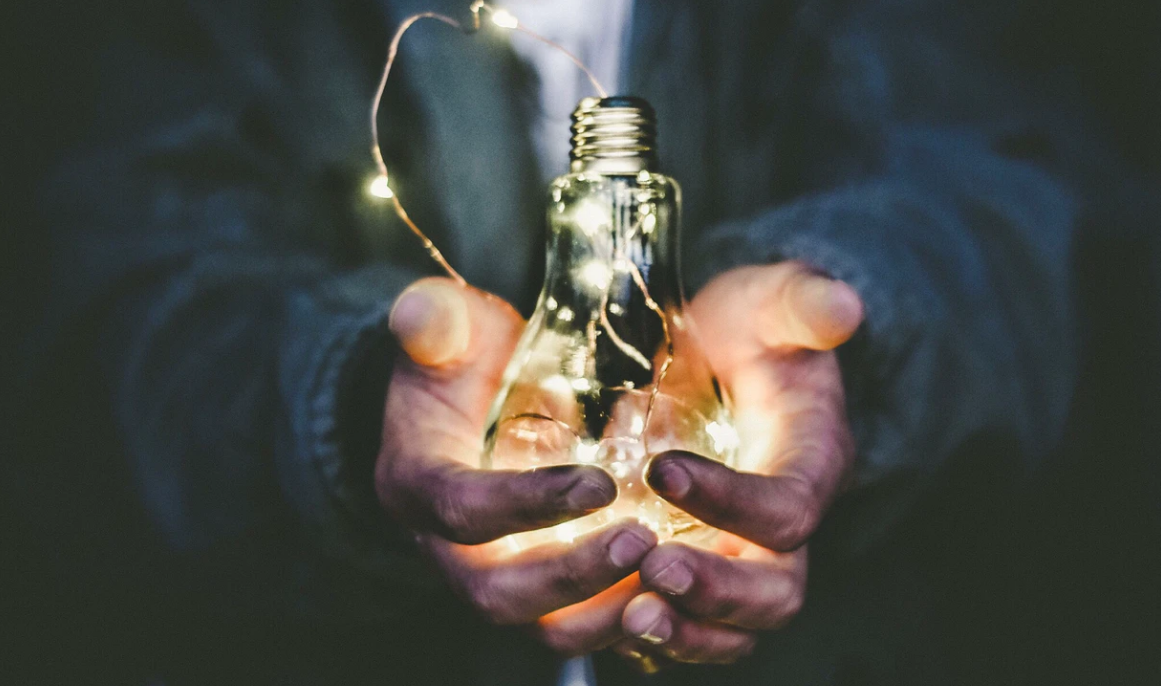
(431, 322)
(781, 305)
(457, 341)
(809, 310)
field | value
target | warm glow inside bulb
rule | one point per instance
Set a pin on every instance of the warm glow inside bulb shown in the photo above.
(380, 188)
(591, 216)
(596, 275)
(582, 385)
(725, 437)
(648, 224)
(587, 452)
(504, 19)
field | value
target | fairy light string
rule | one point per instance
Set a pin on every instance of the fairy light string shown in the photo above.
(380, 186)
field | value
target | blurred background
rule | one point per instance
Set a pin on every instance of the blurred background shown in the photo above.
(1054, 582)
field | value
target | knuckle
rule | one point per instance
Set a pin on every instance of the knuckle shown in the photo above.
(450, 515)
(718, 600)
(454, 517)
(801, 514)
(788, 605)
(573, 580)
(800, 527)
(484, 597)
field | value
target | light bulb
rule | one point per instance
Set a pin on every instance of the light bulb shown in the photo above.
(607, 371)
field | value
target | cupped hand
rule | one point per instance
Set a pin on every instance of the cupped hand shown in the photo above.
(456, 342)
(770, 332)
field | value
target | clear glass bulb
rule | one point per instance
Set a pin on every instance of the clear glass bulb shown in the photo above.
(582, 386)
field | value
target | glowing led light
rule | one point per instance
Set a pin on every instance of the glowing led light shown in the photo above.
(725, 436)
(380, 188)
(582, 385)
(550, 303)
(565, 314)
(504, 19)
(556, 384)
(587, 452)
(648, 224)
(566, 532)
(591, 216)
(596, 275)
(616, 309)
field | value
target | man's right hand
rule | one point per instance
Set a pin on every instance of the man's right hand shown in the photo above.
(457, 342)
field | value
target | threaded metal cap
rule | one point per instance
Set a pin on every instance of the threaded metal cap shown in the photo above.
(616, 135)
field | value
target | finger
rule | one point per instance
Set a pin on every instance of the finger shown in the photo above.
(811, 311)
(519, 588)
(757, 594)
(590, 625)
(650, 618)
(786, 304)
(471, 506)
(776, 512)
(430, 319)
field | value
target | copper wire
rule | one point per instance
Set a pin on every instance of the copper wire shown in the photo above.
(376, 102)
(656, 390)
(376, 149)
(377, 154)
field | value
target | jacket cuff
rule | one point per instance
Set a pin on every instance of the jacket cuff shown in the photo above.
(334, 377)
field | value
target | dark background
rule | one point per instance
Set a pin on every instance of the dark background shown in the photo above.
(1056, 581)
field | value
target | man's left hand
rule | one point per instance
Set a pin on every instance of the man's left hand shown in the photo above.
(771, 332)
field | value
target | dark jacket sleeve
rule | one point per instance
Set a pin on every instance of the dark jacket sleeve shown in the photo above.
(210, 235)
(930, 178)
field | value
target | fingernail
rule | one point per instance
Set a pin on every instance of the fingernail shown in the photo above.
(431, 322)
(591, 494)
(627, 549)
(648, 622)
(669, 478)
(676, 579)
